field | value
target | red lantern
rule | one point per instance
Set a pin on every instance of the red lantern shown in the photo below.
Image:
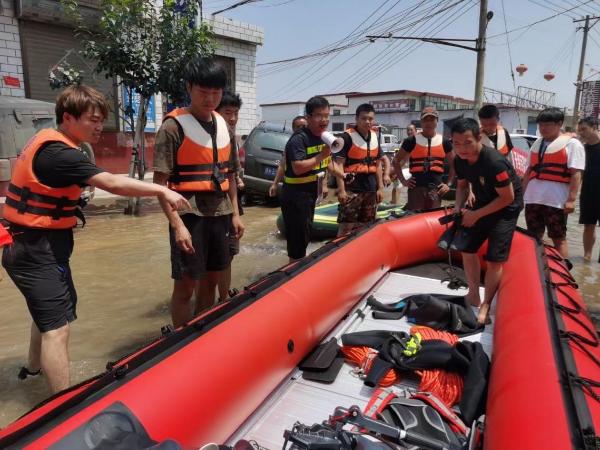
(548, 76)
(521, 68)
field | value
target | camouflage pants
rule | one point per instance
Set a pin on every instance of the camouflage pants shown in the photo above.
(360, 207)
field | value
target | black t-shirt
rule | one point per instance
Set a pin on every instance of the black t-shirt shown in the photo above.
(297, 149)
(57, 165)
(592, 163)
(361, 182)
(509, 143)
(425, 179)
(490, 171)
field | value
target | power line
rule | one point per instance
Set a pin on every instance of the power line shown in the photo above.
(235, 5)
(539, 21)
(510, 62)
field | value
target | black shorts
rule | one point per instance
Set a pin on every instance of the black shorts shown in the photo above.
(589, 203)
(211, 241)
(234, 243)
(298, 210)
(37, 262)
(498, 231)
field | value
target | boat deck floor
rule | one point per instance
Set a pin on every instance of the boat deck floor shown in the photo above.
(308, 402)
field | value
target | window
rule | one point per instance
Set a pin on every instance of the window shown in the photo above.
(229, 66)
(337, 126)
(337, 112)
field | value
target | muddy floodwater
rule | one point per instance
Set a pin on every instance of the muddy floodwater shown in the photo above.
(122, 273)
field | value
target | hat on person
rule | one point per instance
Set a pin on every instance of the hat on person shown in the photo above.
(429, 111)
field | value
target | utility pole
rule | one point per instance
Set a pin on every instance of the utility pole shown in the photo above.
(484, 17)
(480, 46)
(579, 85)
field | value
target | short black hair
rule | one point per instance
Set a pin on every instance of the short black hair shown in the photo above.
(230, 99)
(298, 118)
(551, 115)
(463, 125)
(590, 121)
(488, 112)
(205, 72)
(316, 102)
(365, 107)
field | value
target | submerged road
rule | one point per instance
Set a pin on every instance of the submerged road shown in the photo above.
(121, 270)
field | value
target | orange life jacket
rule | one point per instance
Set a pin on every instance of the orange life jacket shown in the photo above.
(33, 204)
(362, 156)
(200, 163)
(552, 166)
(428, 154)
(500, 144)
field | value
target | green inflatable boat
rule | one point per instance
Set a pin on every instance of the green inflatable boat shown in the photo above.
(325, 224)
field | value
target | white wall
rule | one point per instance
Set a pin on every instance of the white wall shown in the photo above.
(282, 113)
(11, 63)
(239, 40)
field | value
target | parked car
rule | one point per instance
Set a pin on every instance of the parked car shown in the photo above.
(260, 156)
(20, 119)
(389, 145)
(523, 141)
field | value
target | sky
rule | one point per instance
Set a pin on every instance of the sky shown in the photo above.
(296, 27)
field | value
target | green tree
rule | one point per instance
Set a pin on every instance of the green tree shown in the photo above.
(145, 46)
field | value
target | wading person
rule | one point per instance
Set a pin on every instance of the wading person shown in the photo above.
(552, 179)
(229, 109)
(297, 123)
(589, 205)
(493, 134)
(359, 172)
(411, 130)
(42, 210)
(194, 155)
(493, 217)
(306, 161)
(426, 152)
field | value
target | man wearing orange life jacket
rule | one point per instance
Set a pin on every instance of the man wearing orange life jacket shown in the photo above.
(359, 172)
(194, 155)
(494, 135)
(426, 152)
(552, 179)
(42, 207)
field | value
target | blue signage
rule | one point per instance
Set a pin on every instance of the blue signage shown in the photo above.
(150, 112)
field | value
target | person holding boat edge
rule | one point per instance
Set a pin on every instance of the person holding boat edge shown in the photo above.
(493, 217)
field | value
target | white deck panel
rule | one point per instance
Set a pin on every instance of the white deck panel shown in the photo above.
(310, 402)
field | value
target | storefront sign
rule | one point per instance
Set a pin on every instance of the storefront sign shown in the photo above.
(396, 105)
(150, 112)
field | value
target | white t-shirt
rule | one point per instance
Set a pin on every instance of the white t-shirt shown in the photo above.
(554, 193)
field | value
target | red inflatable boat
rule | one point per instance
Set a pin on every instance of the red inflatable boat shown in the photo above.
(232, 373)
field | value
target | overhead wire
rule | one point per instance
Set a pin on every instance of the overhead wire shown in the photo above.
(537, 22)
(302, 78)
(408, 47)
(384, 52)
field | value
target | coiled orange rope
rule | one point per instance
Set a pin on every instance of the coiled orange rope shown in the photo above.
(448, 386)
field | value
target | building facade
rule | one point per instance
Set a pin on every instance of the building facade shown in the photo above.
(397, 109)
(36, 35)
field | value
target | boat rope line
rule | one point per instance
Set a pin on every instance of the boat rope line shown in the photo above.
(575, 388)
(130, 366)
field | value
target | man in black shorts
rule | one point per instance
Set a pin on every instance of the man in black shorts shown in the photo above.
(194, 155)
(498, 201)
(589, 198)
(306, 160)
(42, 207)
